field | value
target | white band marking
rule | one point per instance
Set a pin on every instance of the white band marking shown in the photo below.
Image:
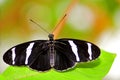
(13, 55)
(74, 49)
(89, 51)
(28, 52)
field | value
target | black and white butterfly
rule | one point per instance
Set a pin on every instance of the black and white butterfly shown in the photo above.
(60, 54)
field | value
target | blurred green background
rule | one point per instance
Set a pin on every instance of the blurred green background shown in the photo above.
(96, 21)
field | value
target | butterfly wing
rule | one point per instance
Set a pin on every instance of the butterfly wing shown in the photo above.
(33, 54)
(77, 50)
(36, 54)
(62, 61)
(64, 57)
(42, 61)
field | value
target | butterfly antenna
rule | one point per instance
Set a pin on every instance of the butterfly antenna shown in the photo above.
(39, 26)
(58, 24)
(61, 22)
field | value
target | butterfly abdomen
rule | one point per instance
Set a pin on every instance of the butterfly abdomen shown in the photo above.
(52, 53)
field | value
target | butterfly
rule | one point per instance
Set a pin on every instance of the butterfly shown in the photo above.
(60, 54)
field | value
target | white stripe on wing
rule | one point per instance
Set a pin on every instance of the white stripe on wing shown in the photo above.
(28, 52)
(74, 49)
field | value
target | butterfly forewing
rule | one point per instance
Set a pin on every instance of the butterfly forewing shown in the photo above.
(16, 55)
(24, 54)
(78, 50)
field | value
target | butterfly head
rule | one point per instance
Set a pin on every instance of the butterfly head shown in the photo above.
(51, 36)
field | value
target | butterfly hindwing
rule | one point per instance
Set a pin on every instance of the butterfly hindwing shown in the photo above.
(42, 61)
(62, 62)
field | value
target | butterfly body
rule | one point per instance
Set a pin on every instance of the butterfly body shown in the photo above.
(60, 54)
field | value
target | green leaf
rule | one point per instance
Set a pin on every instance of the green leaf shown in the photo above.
(2, 77)
(94, 70)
